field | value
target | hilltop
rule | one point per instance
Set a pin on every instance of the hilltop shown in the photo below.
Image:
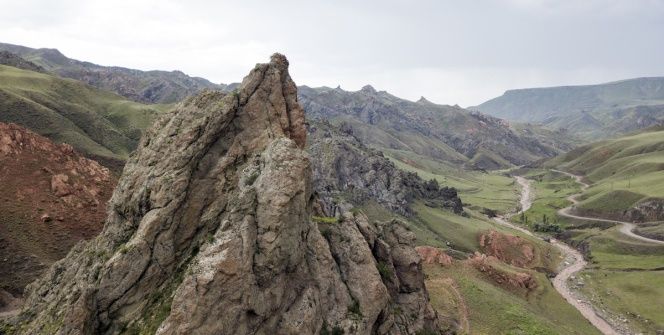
(97, 123)
(161, 87)
(590, 111)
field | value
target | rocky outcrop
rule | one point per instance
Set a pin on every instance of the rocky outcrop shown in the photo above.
(11, 59)
(209, 232)
(646, 210)
(345, 170)
(510, 249)
(495, 271)
(431, 255)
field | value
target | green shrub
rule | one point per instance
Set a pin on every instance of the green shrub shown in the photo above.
(384, 270)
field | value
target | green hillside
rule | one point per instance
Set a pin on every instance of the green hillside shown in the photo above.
(624, 173)
(97, 123)
(136, 85)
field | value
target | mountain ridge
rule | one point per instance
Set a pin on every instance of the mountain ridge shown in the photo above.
(154, 86)
(566, 106)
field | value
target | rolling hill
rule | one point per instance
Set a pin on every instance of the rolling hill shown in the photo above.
(627, 176)
(591, 111)
(100, 124)
(136, 85)
(449, 134)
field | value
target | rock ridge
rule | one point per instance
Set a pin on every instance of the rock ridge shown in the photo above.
(209, 231)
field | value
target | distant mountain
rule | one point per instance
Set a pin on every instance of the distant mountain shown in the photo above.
(446, 133)
(100, 124)
(141, 86)
(591, 111)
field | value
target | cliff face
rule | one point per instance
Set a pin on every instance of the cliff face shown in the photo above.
(346, 170)
(209, 232)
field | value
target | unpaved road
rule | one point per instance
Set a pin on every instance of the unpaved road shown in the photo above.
(525, 200)
(573, 263)
(626, 228)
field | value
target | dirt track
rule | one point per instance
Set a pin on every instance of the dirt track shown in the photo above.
(573, 263)
(626, 228)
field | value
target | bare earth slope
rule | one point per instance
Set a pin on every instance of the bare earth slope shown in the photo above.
(51, 198)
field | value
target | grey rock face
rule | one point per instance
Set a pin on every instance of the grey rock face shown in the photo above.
(344, 168)
(209, 232)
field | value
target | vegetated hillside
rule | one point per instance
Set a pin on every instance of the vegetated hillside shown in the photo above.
(97, 123)
(51, 198)
(142, 86)
(12, 59)
(445, 133)
(627, 175)
(590, 112)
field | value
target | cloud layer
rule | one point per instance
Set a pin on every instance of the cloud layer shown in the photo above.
(449, 51)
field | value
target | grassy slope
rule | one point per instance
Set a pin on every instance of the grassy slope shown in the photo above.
(495, 310)
(477, 189)
(622, 171)
(95, 122)
(625, 276)
(492, 309)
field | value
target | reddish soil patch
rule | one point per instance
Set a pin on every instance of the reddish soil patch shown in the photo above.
(510, 249)
(51, 198)
(431, 255)
(491, 267)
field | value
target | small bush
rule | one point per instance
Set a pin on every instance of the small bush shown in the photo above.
(325, 330)
(384, 270)
(354, 308)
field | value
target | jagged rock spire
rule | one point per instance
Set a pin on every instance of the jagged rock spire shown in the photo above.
(209, 232)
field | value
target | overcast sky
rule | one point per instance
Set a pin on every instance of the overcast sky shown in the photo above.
(452, 52)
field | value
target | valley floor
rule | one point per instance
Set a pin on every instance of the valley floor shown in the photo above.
(623, 279)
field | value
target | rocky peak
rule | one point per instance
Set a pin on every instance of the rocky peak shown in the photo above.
(210, 231)
(368, 89)
(423, 100)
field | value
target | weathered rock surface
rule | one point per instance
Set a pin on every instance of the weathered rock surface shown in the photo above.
(209, 232)
(347, 170)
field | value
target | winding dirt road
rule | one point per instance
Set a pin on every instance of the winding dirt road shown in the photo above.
(626, 227)
(573, 263)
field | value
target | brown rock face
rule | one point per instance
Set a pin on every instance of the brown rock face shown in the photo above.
(510, 249)
(209, 232)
